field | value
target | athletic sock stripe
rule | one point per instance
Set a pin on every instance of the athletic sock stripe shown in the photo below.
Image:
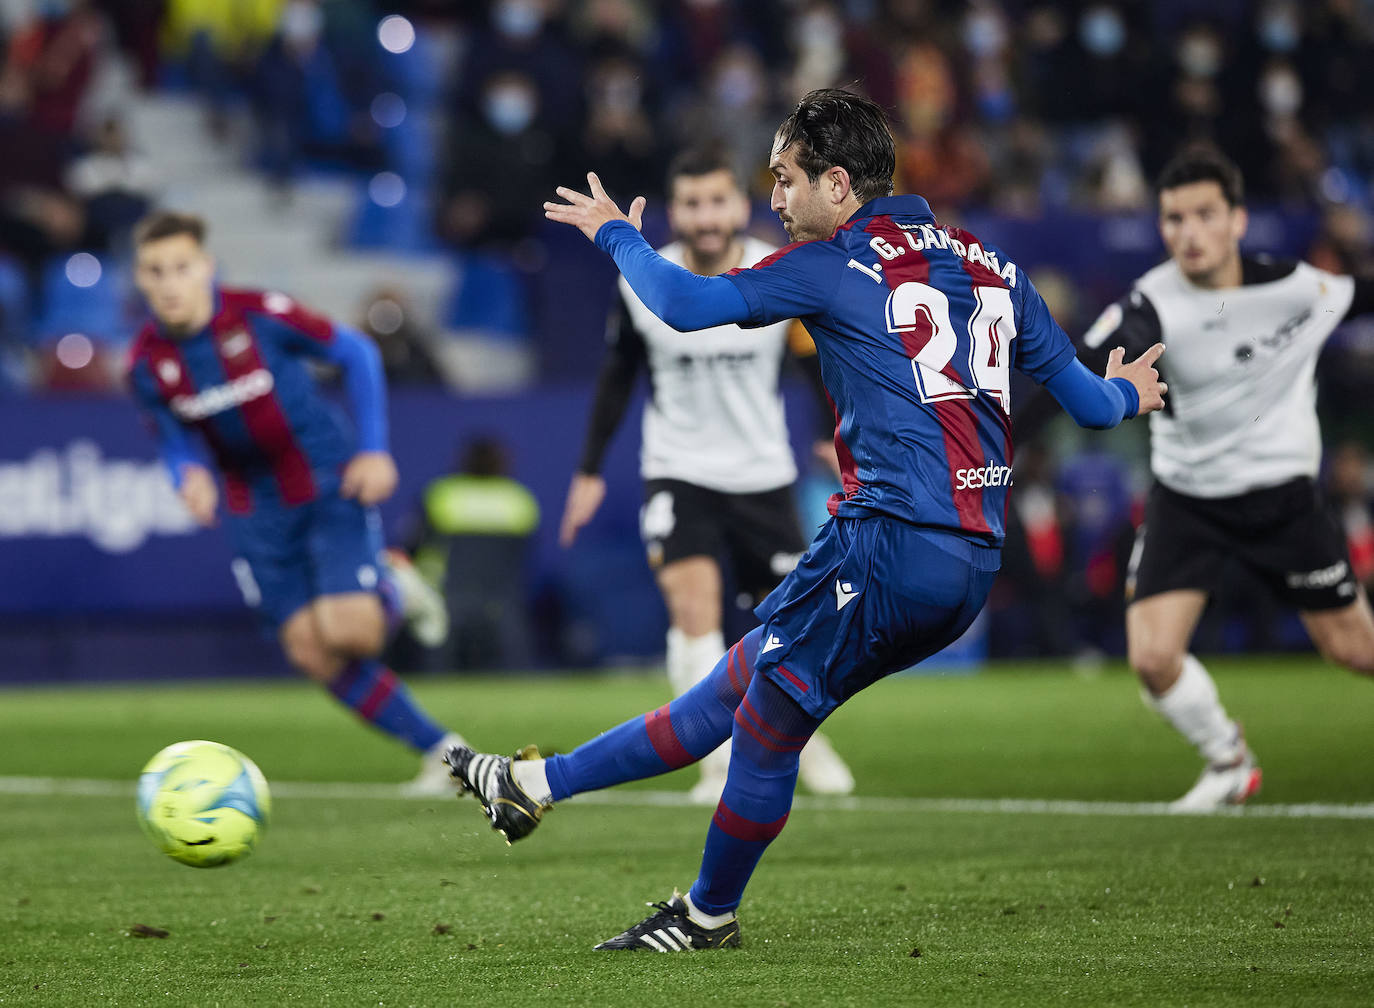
(763, 734)
(737, 682)
(772, 731)
(663, 738)
(745, 670)
(379, 694)
(746, 829)
(755, 734)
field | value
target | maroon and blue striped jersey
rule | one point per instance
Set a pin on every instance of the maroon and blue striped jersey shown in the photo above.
(917, 326)
(244, 384)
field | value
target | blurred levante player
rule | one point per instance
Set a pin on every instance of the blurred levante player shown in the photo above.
(917, 326)
(300, 484)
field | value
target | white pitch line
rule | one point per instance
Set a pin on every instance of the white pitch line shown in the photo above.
(55, 786)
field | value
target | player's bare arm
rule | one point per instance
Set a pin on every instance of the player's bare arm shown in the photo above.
(589, 213)
(369, 478)
(585, 495)
(199, 493)
(1142, 374)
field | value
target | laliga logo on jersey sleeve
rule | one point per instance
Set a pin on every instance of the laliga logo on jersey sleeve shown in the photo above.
(235, 343)
(990, 475)
(278, 303)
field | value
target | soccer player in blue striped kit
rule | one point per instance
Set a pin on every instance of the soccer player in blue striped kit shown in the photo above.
(300, 485)
(916, 326)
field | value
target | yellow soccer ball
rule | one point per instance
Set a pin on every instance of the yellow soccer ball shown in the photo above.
(202, 803)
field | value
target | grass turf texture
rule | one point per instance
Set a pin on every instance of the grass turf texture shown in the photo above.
(404, 902)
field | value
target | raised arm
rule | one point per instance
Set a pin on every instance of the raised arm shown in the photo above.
(1128, 390)
(1129, 326)
(678, 296)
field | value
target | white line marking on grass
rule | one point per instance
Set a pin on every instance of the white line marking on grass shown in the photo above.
(53, 786)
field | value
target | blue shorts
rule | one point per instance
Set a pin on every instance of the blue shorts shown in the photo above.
(287, 557)
(872, 596)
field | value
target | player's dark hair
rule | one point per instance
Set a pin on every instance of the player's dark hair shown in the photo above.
(831, 127)
(1204, 164)
(698, 161)
(166, 224)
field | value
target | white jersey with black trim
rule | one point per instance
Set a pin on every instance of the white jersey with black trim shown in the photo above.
(715, 418)
(1240, 365)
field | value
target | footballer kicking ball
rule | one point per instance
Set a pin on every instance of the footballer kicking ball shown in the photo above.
(202, 803)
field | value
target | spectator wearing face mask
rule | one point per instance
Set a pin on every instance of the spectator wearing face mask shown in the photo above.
(300, 103)
(619, 134)
(502, 161)
(525, 37)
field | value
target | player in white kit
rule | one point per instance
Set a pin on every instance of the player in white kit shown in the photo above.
(1234, 454)
(715, 456)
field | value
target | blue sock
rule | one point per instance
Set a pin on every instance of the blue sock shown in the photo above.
(770, 732)
(379, 698)
(674, 735)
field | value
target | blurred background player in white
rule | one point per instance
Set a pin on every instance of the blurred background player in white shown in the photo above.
(301, 488)
(715, 459)
(1234, 455)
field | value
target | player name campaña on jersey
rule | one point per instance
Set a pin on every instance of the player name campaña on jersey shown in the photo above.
(218, 398)
(926, 236)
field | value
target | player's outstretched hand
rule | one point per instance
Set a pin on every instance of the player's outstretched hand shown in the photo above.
(369, 477)
(588, 213)
(1142, 374)
(199, 493)
(585, 495)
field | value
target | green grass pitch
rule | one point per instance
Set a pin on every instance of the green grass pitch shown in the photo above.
(903, 897)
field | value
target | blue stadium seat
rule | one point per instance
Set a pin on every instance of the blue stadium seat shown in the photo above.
(105, 311)
(490, 296)
(419, 74)
(405, 227)
(14, 299)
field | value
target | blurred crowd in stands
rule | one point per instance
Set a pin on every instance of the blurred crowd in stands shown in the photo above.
(1009, 110)
(1021, 107)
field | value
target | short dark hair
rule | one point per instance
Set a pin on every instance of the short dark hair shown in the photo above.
(697, 161)
(167, 223)
(832, 127)
(1202, 163)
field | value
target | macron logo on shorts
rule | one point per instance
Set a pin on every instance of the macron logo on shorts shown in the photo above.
(845, 593)
(774, 642)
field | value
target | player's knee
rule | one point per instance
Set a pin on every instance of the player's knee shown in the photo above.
(354, 638)
(1158, 667)
(308, 656)
(696, 620)
(1357, 655)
